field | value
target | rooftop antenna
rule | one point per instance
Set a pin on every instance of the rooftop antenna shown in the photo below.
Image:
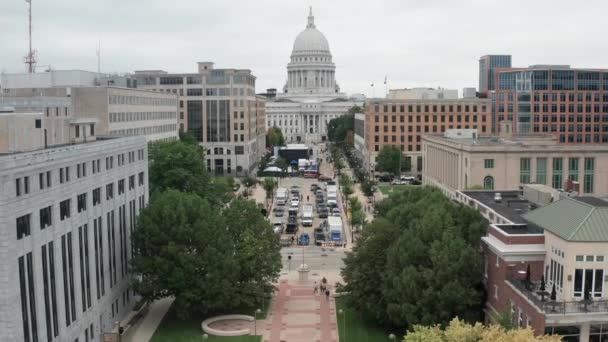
(30, 59)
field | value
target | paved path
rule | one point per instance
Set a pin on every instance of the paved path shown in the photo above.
(144, 330)
(299, 315)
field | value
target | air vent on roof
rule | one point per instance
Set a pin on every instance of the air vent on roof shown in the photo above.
(497, 197)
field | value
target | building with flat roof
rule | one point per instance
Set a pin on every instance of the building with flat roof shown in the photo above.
(220, 108)
(403, 123)
(487, 65)
(67, 213)
(569, 103)
(422, 94)
(561, 243)
(119, 111)
(507, 163)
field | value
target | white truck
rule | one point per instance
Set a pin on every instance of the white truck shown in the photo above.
(302, 164)
(335, 230)
(332, 195)
(307, 215)
(282, 196)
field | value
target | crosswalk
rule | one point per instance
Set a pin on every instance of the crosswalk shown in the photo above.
(317, 258)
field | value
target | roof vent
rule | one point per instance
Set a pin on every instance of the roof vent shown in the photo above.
(497, 197)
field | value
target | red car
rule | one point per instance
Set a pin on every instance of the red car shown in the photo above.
(324, 178)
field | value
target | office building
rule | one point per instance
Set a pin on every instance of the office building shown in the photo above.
(311, 96)
(487, 66)
(422, 94)
(403, 123)
(535, 238)
(220, 108)
(460, 160)
(571, 104)
(67, 213)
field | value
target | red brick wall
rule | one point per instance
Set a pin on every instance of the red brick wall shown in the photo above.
(511, 240)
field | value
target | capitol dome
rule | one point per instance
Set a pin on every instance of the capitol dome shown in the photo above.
(310, 40)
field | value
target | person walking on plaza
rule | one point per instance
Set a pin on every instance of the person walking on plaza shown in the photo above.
(316, 289)
(327, 294)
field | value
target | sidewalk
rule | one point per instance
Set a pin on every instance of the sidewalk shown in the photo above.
(144, 330)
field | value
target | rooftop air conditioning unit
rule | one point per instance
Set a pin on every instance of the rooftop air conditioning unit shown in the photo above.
(497, 197)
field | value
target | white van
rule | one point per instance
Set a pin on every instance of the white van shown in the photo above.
(281, 196)
(307, 215)
(407, 180)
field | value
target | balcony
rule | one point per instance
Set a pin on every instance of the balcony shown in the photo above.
(531, 291)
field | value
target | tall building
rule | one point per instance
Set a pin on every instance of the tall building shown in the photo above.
(72, 95)
(423, 94)
(538, 238)
(311, 96)
(571, 104)
(460, 160)
(487, 66)
(67, 213)
(220, 108)
(403, 123)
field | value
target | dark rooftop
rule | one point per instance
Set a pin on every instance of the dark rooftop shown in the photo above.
(593, 201)
(512, 207)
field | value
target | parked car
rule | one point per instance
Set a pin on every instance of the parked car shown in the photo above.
(278, 211)
(320, 199)
(278, 227)
(314, 187)
(385, 178)
(295, 202)
(398, 182)
(304, 239)
(323, 212)
(335, 212)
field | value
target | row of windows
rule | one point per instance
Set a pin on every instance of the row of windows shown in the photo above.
(139, 116)
(554, 97)
(23, 223)
(210, 92)
(435, 118)
(554, 108)
(145, 130)
(45, 179)
(435, 109)
(426, 129)
(141, 100)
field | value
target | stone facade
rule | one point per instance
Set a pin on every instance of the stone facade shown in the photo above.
(67, 214)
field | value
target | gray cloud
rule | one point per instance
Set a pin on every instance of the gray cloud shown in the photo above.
(414, 42)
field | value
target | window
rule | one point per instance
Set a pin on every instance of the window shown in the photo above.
(488, 163)
(141, 178)
(573, 169)
(44, 179)
(46, 218)
(64, 174)
(18, 187)
(558, 169)
(488, 183)
(23, 226)
(588, 280)
(588, 177)
(96, 196)
(109, 191)
(64, 209)
(121, 186)
(524, 170)
(541, 170)
(82, 202)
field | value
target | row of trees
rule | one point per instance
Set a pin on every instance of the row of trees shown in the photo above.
(418, 262)
(197, 243)
(274, 137)
(391, 160)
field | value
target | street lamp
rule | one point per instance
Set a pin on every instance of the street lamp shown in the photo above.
(255, 321)
(391, 337)
(343, 314)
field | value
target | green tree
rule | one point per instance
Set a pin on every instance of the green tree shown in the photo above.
(504, 318)
(187, 137)
(367, 187)
(428, 268)
(461, 331)
(357, 216)
(390, 158)
(281, 163)
(269, 185)
(274, 137)
(337, 129)
(179, 251)
(257, 252)
(347, 185)
(355, 109)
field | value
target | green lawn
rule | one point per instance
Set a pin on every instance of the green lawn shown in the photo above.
(172, 329)
(388, 189)
(357, 329)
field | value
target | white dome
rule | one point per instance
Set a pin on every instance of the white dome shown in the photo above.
(310, 39)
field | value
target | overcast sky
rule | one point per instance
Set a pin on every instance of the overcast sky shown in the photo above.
(414, 42)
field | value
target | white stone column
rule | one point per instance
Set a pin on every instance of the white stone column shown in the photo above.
(585, 330)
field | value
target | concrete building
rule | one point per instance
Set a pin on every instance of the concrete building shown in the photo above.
(562, 241)
(220, 108)
(487, 65)
(67, 213)
(403, 123)
(423, 94)
(456, 163)
(118, 111)
(571, 104)
(311, 96)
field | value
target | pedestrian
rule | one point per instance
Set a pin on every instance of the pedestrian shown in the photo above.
(316, 289)
(307, 199)
(327, 294)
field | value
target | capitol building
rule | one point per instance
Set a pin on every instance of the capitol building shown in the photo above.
(311, 96)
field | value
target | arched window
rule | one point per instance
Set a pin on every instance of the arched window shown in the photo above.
(488, 183)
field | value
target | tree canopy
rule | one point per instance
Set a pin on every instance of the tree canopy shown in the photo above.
(207, 258)
(337, 129)
(461, 331)
(418, 262)
(390, 158)
(274, 137)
